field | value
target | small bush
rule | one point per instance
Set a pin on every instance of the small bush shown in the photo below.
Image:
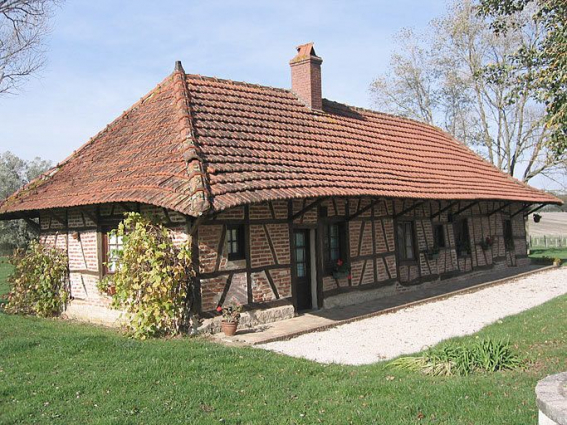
(153, 278)
(484, 355)
(39, 282)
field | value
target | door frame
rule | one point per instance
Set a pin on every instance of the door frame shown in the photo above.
(313, 255)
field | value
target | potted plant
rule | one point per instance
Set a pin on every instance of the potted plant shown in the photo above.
(557, 262)
(486, 243)
(537, 218)
(230, 318)
(433, 253)
(341, 269)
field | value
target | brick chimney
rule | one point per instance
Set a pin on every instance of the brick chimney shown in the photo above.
(306, 76)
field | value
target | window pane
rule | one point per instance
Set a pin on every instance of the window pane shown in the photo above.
(300, 269)
(299, 239)
(300, 254)
(401, 244)
(335, 254)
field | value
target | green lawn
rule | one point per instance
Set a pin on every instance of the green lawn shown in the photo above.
(549, 253)
(58, 372)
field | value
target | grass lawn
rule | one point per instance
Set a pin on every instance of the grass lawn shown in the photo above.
(53, 371)
(549, 253)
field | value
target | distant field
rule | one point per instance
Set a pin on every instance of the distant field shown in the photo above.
(551, 223)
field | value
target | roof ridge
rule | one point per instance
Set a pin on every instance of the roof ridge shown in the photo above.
(237, 83)
(199, 195)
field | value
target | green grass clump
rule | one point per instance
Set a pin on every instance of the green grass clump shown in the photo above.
(482, 355)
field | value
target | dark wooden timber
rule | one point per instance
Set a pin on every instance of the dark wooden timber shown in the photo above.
(408, 209)
(362, 210)
(506, 205)
(442, 210)
(35, 225)
(307, 208)
(462, 210)
(521, 210)
(534, 210)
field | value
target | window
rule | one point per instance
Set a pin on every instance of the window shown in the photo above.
(235, 241)
(111, 248)
(462, 238)
(508, 235)
(333, 245)
(405, 240)
(439, 235)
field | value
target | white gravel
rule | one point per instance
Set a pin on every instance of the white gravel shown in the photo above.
(412, 329)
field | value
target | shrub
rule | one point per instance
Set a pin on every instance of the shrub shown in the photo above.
(484, 355)
(39, 282)
(153, 278)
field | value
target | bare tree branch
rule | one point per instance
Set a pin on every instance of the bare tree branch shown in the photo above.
(23, 29)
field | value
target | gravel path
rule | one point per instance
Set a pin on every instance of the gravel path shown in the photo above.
(412, 329)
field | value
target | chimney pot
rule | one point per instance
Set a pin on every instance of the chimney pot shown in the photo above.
(306, 76)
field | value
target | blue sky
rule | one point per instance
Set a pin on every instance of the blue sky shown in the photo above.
(101, 58)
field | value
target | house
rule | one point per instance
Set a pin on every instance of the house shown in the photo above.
(277, 188)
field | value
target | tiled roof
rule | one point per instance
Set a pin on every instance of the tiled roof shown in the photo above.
(198, 143)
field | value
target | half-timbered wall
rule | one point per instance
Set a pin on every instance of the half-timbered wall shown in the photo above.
(266, 276)
(77, 232)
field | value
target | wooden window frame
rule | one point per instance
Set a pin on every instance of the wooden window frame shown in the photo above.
(106, 249)
(328, 263)
(240, 241)
(458, 226)
(402, 247)
(439, 235)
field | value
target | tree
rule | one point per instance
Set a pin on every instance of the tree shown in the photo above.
(459, 75)
(544, 64)
(23, 28)
(14, 173)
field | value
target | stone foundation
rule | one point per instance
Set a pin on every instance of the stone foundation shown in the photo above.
(88, 312)
(250, 319)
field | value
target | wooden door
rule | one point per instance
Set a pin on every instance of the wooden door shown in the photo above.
(302, 269)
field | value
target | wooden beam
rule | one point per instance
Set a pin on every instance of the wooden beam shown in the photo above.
(506, 204)
(534, 210)
(441, 211)
(91, 217)
(32, 223)
(363, 210)
(472, 204)
(308, 208)
(195, 224)
(57, 218)
(407, 210)
(525, 207)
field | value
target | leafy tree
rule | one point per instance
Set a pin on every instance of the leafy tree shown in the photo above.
(23, 28)
(543, 64)
(460, 76)
(14, 173)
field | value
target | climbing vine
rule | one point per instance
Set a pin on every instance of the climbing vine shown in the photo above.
(39, 282)
(153, 278)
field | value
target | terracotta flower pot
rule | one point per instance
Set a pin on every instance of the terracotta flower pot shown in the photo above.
(111, 290)
(229, 328)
